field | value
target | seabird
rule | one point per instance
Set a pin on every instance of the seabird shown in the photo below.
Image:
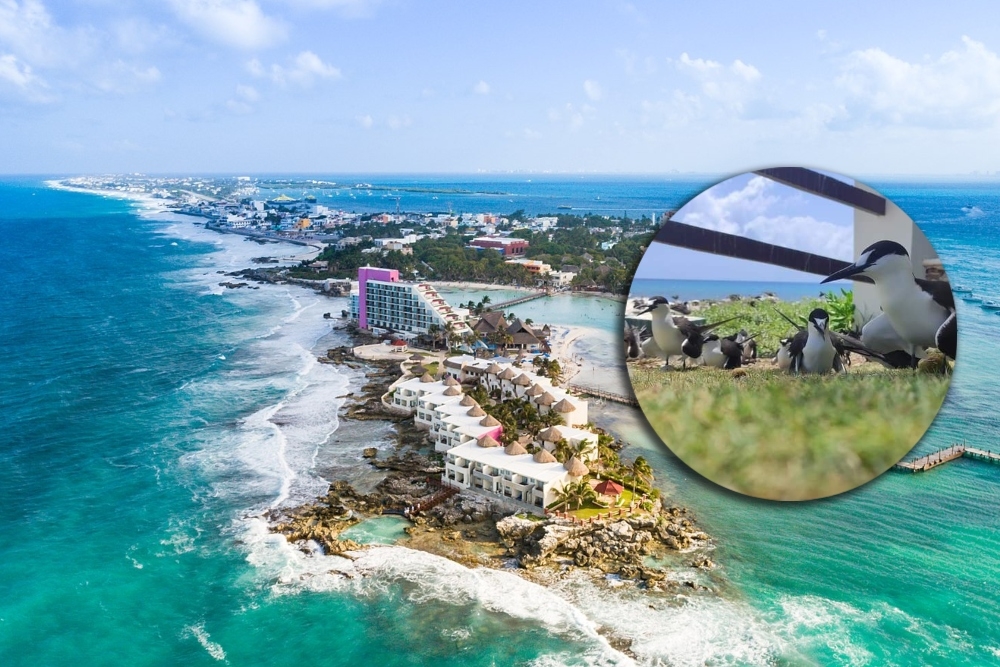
(792, 352)
(812, 349)
(633, 341)
(917, 309)
(724, 352)
(672, 334)
(783, 357)
(878, 335)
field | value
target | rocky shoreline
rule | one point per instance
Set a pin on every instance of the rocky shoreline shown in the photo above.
(479, 531)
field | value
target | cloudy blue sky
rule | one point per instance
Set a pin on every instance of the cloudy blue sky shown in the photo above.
(758, 208)
(405, 86)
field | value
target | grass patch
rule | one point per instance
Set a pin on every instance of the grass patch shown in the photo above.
(432, 367)
(761, 319)
(774, 435)
(591, 509)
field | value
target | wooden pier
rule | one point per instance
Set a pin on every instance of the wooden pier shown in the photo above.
(945, 455)
(626, 399)
(521, 299)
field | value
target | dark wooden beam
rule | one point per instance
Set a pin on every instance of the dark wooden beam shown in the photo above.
(729, 245)
(826, 186)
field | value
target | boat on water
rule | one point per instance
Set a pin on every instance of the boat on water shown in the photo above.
(991, 305)
(970, 298)
(959, 289)
(565, 208)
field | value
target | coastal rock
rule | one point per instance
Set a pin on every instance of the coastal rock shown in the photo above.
(513, 529)
(370, 452)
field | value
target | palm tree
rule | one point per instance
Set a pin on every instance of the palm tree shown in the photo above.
(565, 495)
(434, 331)
(640, 471)
(605, 453)
(585, 493)
(562, 450)
(583, 448)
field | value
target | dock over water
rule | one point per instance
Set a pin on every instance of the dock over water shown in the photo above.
(942, 456)
(520, 299)
(626, 399)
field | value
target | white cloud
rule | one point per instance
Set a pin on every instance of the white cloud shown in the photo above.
(237, 23)
(248, 93)
(239, 107)
(960, 89)
(15, 72)
(398, 122)
(754, 211)
(305, 69)
(365, 121)
(731, 86)
(572, 116)
(481, 88)
(593, 90)
(18, 75)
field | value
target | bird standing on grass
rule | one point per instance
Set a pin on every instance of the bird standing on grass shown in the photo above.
(922, 312)
(672, 334)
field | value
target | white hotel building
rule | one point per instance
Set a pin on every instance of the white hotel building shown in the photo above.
(469, 438)
(384, 303)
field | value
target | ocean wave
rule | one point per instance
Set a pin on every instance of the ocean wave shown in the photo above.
(214, 649)
(424, 579)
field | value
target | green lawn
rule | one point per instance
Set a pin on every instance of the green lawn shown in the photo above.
(784, 437)
(590, 509)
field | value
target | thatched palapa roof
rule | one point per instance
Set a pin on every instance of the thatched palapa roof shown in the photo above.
(493, 368)
(515, 449)
(452, 391)
(476, 411)
(544, 456)
(468, 402)
(522, 380)
(551, 434)
(536, 390)
(487, 441)
(546, 399)
(575, 467)
(564, 406)
(450, 381)
(426, 377)
(489, 420)
(507, 374)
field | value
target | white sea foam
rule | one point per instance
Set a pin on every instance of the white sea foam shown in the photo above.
(269, 458)
(214, 649)
(425, 579)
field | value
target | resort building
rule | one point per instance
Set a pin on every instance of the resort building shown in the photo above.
(470, 438)
(384, 303)
(506, 246)
(532, 265)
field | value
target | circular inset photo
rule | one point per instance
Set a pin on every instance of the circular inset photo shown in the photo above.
(790, 334)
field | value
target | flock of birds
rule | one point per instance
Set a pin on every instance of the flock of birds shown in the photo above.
(916, 315)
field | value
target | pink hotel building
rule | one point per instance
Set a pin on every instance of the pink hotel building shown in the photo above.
(384, 303)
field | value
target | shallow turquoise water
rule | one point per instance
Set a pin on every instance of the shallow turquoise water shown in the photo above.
(148, 413)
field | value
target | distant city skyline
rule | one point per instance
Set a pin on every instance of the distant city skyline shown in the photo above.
(388, 86)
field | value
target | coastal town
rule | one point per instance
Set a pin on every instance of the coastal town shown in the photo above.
(559, 249)
(498, 456)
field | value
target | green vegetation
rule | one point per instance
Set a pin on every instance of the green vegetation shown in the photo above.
(841, 309)
(576, 242)
(783, 437)
(760, 318)
(444, 258)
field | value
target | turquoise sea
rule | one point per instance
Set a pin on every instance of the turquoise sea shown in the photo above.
(150, 416)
